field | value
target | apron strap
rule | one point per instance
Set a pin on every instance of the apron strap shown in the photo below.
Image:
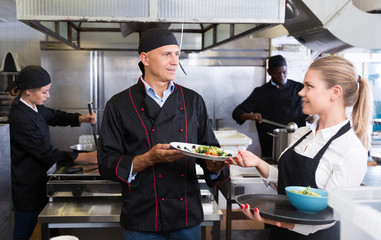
(301, 139)
(342, 130)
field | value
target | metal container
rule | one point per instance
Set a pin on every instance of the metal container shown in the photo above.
(281, 140)
(84, 147)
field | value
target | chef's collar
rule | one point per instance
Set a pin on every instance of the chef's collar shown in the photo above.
(34, 105)
(171, 86)
(328, 133)
(276, 85)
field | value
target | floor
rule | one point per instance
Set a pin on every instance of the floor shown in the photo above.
(242, 229)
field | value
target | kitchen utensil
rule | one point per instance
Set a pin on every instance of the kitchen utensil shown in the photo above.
(291, 127)
(93, 126)
(279, 208)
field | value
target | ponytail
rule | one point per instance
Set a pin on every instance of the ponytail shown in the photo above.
(363, 112)
(356, 92)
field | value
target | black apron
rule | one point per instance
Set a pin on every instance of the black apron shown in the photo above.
(298, 170)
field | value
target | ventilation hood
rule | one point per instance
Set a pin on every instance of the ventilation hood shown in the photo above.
(11, 63)
(330, 26)
(117, 24)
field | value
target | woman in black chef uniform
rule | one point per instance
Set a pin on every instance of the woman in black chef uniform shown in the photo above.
(31, 152)
(329, 154)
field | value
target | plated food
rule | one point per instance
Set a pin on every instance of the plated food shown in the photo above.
(203, 151)
(307, 199)
(307, 191)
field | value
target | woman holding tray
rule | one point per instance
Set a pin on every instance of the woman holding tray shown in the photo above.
(329, 154)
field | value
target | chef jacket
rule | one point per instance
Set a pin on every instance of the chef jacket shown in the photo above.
(164, 196)
(32, 153)
(281, 105)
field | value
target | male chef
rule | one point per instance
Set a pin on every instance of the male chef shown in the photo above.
(276, 100)
(161, 195)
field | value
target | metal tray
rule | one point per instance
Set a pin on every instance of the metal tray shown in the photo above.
(84, 147)
(279, 208)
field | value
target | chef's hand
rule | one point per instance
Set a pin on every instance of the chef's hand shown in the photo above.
(214, 166)
(89, 118)
(90, 157)
(246, 210)
(256, 117)
(251, 116)
(160, 153)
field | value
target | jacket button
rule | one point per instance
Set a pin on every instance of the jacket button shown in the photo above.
(182, 175)
(181, 199)
(162, 199)
(181, 130)
(181, 108)
(160, 175)
(142, 109)
(153, 130)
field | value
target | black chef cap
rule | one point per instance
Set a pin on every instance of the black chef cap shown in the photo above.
(155, 38)
(276, 61)
(30, 77)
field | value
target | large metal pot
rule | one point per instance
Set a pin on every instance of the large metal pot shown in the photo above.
(281, 140)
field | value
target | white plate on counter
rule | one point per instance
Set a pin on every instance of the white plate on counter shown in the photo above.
(189, 150)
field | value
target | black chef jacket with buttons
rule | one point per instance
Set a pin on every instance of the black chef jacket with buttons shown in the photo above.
(274, 104)
(32, 153)
(165, 196)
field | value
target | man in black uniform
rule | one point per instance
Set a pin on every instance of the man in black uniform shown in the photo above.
(161, 195)
(276, 100)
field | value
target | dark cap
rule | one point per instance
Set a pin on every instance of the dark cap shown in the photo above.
(155, 38)
(30, 77)
(276, 61)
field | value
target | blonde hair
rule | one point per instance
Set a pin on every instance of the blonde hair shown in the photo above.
(356, 92)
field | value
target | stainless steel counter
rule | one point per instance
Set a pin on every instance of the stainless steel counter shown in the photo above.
(103, 213)
(372, 176)
(242, 181)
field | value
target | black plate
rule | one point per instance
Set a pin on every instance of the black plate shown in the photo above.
(279, 208)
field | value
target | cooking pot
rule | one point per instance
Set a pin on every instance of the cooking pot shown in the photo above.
(281, 140)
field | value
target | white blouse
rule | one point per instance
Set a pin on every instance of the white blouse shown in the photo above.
(344, 163)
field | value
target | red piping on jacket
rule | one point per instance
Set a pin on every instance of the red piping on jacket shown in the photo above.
(149, 145)
(116, 172)
(185, 172)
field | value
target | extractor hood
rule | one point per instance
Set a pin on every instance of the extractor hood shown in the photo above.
(117, 24)
(330, 26)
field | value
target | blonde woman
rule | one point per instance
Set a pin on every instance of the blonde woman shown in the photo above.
(331, 153)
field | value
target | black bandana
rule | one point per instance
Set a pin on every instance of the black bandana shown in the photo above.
(155, 38)
(30, 77)
(277, 61)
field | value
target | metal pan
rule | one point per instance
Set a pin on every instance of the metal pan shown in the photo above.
(84, 147)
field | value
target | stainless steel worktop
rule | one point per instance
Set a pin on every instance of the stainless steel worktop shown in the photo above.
(100, 213)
